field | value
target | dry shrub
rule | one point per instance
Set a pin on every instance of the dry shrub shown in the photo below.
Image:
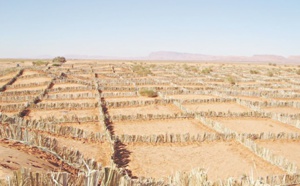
(206, 71)
(148, 93)
(254, 72)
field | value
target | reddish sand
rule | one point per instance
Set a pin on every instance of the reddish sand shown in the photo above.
(133, 98)
(217, 107)
(286, 148)
(3, 83)
(10, 113)
(256, 125)
(30, 72)
(152, 86)
(32, 80)
(100, 152)
(71, 93)
(175, 126)
(192, 96)
(193, 86)
(93, 100)
(36, 114)
(12, 159)
(221, 159)
(89, 126)
(10, 75)
(150, 109)
(26, 88)
(56, 85)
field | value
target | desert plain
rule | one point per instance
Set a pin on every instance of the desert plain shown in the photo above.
(149, 123)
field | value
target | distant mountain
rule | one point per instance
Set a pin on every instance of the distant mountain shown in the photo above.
(179, 56)
(295, 59)
(167, 55)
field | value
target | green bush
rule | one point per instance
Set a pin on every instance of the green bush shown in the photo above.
(56, 65)
(148, 93)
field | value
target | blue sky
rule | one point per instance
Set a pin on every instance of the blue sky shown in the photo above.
(31, 28)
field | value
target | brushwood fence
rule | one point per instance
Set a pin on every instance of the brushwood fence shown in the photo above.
(87, 95)
(5, 86)
(66, 131)
(57, 106)
(266, 154)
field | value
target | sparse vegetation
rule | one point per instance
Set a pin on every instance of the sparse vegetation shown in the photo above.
(206, 70)
(231, 80)
(254, 72)
(148, 93)
(40, 63)
(59, 59)
(272, 64)
(142, 70)
(270, 74)
(190, 68)
(81, 92)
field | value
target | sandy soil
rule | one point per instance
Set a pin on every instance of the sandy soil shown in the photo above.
(285, 99)
(150, 109)
(26, 88)
(10, 113)
(285, 110)
(217, 107)
(11, 75)
(133, 98)
(248, 98)
(175, 126)
(89, 126)
(100, 152)
(12, 159)
(12, 103)
(216, 82)
(89, 76)
(56, 85)
(3, 83)
(247, 83)
(30, 72)
(69, 101)
(32, 80)
(286, 148)
(256, 125)
(222, 159)
(36, 114)
(193, 86)
(71, 93)
(110, 91)
(106, 77)
(152, 86)
(192, 96)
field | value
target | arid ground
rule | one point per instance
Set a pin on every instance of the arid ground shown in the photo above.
(163, 122)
